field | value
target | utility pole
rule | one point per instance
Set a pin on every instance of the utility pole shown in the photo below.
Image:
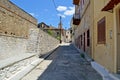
(60, 27)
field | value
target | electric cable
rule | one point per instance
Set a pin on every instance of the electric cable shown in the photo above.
(55, 6)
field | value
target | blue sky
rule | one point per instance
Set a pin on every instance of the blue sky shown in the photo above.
(45, 11)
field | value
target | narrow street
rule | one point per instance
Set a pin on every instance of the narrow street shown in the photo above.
(60, 40)
(64, 64)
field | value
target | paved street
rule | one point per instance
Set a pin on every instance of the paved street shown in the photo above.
(64, 64)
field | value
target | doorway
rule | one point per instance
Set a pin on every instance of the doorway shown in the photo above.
(84, 43)
(118, 43)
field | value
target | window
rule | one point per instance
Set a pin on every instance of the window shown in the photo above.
(57, 33)
(101, 31)
(81, 40)
(66, 36)
(88, 38)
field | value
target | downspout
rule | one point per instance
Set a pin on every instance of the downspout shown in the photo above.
(93, 32)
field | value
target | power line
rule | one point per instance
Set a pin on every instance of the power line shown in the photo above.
(57, 11)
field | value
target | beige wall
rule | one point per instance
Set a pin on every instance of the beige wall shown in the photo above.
(104, 53)
(117, 36)
(14, 21)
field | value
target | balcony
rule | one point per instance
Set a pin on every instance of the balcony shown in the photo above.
(76, 2)
(76, 19)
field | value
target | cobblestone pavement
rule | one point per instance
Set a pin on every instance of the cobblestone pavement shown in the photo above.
(64, 64)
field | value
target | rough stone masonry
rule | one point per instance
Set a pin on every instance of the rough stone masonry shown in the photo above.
(21, 42)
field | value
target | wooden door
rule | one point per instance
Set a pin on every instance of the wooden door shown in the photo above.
(84, 43)
(118, 45)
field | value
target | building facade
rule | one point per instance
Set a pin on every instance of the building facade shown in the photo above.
(82, 22)
(106, 34)
(97, 34)
(68, 36)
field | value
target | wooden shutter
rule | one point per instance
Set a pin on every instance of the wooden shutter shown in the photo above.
(101, 31)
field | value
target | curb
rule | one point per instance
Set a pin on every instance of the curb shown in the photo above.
(26, 70)
(30, 67)
(114, 77)
(50, 52)
(100, 69)
(86, 56)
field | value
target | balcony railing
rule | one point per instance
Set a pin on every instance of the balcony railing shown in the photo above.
(76, 2)
(76, 19)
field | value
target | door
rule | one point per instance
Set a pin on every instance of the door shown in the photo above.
(84, 43)
(118, 45)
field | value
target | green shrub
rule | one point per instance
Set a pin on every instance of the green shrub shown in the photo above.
(82, 55)
(50, 32)
(58, 37)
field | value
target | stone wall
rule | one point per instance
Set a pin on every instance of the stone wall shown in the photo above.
(41, 42)
(21, 42)
(18, 53)
(15, 21)
(11, 46)
(32, 46)
(46, 43)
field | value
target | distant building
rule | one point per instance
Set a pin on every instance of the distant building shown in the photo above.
(53, 31)
(43, 26)
(68, 37)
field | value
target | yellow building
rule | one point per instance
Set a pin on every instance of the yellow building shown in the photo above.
(106, 34)
(100, 25)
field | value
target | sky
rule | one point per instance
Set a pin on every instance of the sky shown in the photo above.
(48, 11)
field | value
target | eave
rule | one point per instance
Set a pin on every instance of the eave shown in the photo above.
(110, 5)
(76, 2)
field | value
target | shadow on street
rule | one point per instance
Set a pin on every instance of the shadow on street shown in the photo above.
(67, 64)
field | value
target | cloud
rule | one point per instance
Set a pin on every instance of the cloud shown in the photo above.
(63, 16)
(69, 11)
(61, 8)
(33, 14)
(65, 11)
